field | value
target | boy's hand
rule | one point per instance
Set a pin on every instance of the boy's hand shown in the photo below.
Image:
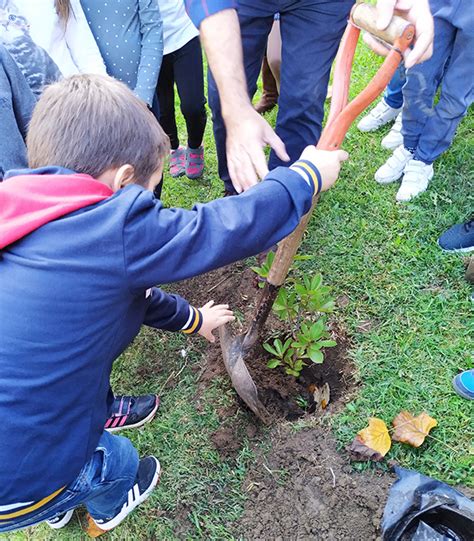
(213, 317)
(328, 163)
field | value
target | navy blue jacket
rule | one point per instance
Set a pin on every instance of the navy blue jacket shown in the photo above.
(73, 296)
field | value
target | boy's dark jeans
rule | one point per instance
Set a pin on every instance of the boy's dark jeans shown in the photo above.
(101, 486)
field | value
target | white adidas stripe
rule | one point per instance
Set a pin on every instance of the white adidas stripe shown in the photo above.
(14, 506)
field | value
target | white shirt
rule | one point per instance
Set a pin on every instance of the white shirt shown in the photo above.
(72, 47)
(177, 26)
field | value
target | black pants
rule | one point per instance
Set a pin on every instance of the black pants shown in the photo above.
(183, 67)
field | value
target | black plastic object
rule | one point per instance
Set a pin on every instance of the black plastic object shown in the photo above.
(420, 508)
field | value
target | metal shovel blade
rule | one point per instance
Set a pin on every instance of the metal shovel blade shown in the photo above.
(233, 355)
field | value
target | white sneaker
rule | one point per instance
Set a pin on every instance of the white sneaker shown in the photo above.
(394, 137)
(380, 115)
(393, 168)
(416, 178)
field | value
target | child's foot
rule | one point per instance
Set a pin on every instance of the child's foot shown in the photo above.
(194, 162)
(463, 384)
(416, 177)
(380, 115)
(393, 168)
(178, 162)
(132, 412)
(60, 520)
(458, 238)
(146, 480)
(394, 137)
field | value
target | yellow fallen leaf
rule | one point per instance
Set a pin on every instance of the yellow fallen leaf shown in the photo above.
(412, 430)
(376, 436)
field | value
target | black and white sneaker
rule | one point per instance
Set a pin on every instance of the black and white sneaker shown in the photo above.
(60, 520)
(146, 480)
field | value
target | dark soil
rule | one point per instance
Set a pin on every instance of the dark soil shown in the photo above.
(283, 396)
(302, 488)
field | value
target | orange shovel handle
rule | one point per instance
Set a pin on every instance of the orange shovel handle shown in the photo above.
(399, 34)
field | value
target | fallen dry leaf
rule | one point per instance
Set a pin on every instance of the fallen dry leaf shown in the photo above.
(322, 395)
(91, 528)
(371, 443)
(412, 430)
(360, 452)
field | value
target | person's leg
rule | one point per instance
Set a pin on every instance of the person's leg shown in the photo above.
(256, 18)
(311, 31)
(16, 107)
(102, 485)
(274, 52)
(269, 97)
(422, 83)
(419, 92)
(188, 74)
(393, 95)
(457, 94)
(167, 117)
(165, 92)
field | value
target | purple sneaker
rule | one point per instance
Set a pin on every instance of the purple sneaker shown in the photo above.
(194, 162)
(178, 162)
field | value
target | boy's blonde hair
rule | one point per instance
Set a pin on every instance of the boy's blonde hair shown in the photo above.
(92, 123)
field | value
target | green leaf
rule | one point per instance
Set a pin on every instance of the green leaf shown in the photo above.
(315, 355)
(327, 343)
(270, 349)
(316, 281)
(273, 363)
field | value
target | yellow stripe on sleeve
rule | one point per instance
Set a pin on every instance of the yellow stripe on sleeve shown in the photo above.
(33, 507)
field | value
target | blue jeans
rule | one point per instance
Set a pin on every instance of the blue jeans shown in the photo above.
(393, 93)
(16, 107)
(101, 486)
(311, 31)
(427, 128)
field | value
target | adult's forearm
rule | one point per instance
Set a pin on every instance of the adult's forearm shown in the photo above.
(220, 36)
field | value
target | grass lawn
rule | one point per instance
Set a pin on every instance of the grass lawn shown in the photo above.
(407, 313)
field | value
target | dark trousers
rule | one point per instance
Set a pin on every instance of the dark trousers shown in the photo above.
(183, 67)
(311, 31)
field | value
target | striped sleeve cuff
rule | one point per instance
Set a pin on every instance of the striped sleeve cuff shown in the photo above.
(194, 322)
(310, 173)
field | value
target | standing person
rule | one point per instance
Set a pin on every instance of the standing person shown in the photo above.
(312, 26)
(17, 102)
(129, 34)
(247, 133)
(48, 39)
(182, 65)
(428, 129)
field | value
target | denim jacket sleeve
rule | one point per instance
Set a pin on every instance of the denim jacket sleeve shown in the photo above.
(200, 9)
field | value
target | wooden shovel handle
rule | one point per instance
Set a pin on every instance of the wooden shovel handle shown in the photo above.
(364, 16)
(341, 116)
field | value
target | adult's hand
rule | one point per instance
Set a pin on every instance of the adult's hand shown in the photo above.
(247, 135)
(416, 11)
(247, 132)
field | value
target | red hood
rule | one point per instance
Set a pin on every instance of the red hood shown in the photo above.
(29, 201)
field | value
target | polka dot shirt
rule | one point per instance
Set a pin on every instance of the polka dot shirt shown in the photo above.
(130, 38)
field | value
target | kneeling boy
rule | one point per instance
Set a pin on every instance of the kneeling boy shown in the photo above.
(83, 241)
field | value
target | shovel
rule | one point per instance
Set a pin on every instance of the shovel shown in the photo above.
(399, 35)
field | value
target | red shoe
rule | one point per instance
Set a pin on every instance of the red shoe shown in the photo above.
(178, 162)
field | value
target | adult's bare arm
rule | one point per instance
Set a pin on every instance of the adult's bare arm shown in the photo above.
(416, 11)
(247, 132)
